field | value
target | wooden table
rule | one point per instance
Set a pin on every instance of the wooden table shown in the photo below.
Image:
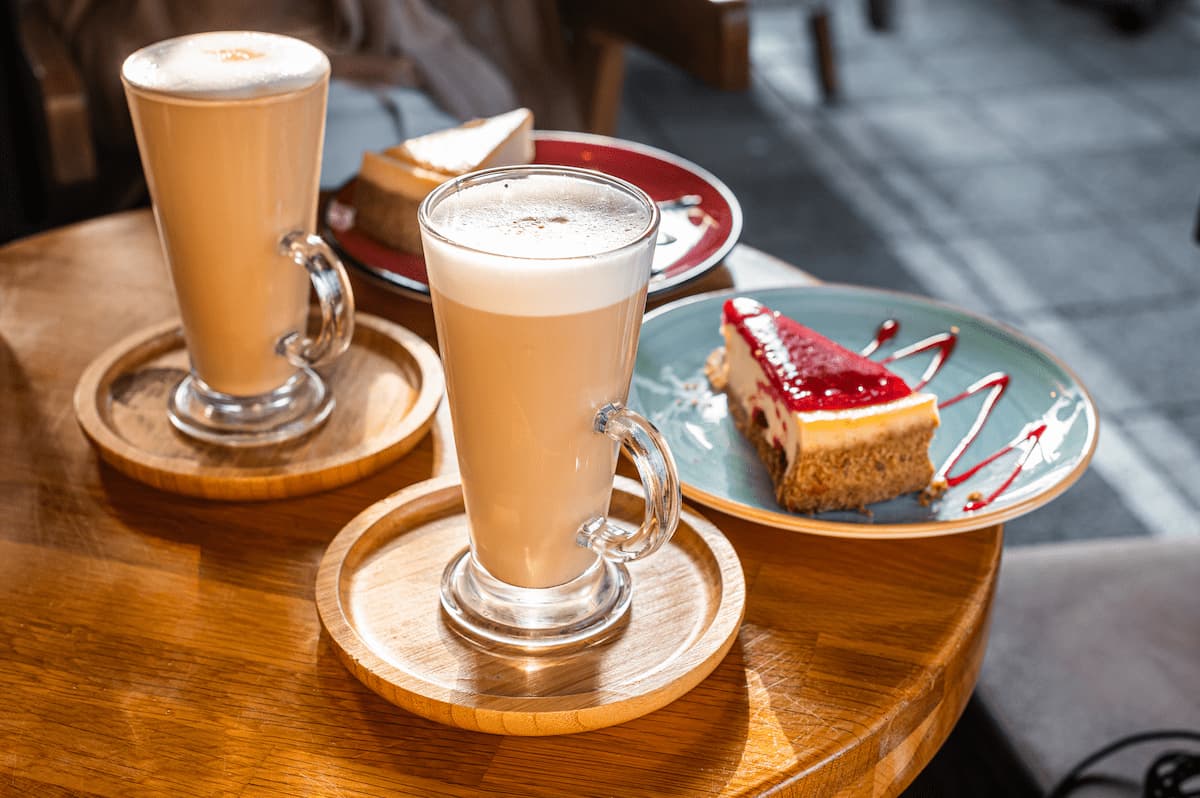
(156, 645)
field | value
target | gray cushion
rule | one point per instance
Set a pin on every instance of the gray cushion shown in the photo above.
(1091, 642)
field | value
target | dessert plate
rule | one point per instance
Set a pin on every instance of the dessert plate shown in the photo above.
(1031, 445)
(701, 219)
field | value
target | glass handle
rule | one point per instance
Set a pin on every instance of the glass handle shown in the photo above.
(645, 445)
(333, 294)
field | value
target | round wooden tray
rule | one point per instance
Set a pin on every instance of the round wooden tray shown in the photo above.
(387, 387)
(377, 592)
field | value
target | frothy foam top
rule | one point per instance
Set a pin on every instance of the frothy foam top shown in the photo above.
(226, 65)
(539, 245)
(541, 216)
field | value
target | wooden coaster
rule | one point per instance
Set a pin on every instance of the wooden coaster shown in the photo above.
(387, 386)
(377, 592)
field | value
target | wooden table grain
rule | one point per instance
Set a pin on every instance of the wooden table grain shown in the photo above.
(152, 644)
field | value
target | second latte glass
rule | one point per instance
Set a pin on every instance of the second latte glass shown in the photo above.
(230, 128)
(539, 278)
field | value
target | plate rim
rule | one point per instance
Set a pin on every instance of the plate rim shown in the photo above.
(415, 290)
(970, 522)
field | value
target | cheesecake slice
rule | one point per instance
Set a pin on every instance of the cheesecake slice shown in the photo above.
(835, 430)
(391, 184)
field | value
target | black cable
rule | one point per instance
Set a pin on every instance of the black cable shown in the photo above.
(1165, 777)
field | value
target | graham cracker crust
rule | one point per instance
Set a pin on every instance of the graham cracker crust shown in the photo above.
(387, 216)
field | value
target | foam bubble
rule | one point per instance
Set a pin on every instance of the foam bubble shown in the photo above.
(538, 245)
(226, 65)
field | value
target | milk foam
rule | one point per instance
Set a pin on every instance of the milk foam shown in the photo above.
(539, 245)
(226, 65)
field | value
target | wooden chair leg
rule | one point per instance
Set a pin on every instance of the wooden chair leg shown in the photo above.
(823, 52)
(879, 14)
(600, 64)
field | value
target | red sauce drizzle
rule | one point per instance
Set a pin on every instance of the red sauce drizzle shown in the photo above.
(886, 332)
(944, 344)
(995, 384)
(834, 378)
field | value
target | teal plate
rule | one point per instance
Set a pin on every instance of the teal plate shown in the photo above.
(1043, 425)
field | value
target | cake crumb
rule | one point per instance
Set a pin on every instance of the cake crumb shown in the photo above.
(932, 493)
(974, 496)
(716, 370)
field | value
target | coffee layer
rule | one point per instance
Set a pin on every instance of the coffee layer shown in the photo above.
(229, 179)
(524, 392)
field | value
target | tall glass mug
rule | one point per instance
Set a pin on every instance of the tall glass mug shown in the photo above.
(230, 127)
(539, 276)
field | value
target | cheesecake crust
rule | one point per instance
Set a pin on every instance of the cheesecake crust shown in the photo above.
(387, 216)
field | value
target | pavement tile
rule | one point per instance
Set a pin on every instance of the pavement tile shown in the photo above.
(1186, 419)
(1084, 265)
(1074, 119)
(796, 85)
(1176, 99)
(632, 126)
(885, 74)
(872, 265)
(1054, 23)
(801, 207)
(1012, 194)
(1169, 50)
(932, 23)
(1154, 349)
(1139, 181)
(737, 147)
(1173, 239)
(998, 67)
(926, 132)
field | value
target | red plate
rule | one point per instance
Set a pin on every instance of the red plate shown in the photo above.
(701, 218)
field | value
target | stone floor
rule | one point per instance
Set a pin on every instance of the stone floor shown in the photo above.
(1019, 158)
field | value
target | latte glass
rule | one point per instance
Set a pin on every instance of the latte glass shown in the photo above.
(538, 276)
(230, 127)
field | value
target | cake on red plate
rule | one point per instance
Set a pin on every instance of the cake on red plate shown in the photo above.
(835, 430)
(391, 184)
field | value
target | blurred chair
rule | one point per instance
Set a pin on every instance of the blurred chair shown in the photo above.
(72, 175)
(47, 164)
(824, 48)
(709, 39)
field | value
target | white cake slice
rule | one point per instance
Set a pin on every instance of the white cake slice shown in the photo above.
(392, 184)
(835, 430)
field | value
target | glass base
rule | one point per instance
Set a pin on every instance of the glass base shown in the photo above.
(294, 409)
(493, 613)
